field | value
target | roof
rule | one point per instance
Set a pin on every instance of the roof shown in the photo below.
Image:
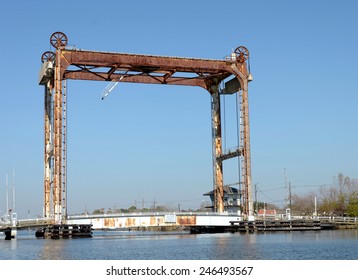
(227, 189)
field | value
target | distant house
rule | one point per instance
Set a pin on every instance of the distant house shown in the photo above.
(267, 212)
(232, 199)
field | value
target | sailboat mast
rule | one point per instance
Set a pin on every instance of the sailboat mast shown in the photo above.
(13, 189)
(7, 194)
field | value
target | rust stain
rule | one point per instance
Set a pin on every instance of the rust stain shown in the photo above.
(186, 220)
(109, 222)
(153, 221)
(130, 222)
(156, 221)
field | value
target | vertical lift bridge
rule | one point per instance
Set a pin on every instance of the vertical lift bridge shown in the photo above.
(70, 63)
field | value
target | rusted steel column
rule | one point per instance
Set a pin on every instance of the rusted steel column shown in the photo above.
(48, 151)
(242, 75)
(247, 152)
(217, 150)
(57, 139)
(64, 150)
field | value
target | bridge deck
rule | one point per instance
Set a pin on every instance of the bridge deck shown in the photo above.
(189, 220)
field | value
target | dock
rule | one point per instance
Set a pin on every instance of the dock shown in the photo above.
(293, 225)
(65, 231)
(46, 228)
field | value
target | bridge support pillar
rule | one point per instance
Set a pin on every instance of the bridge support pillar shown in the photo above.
(10, 233)
(48, 145)
(217, 150)
(55, 144)
(243, 77)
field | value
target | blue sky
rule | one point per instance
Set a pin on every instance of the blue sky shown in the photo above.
(146, 142)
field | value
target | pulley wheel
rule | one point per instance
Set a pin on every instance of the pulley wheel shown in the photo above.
(48, 56)
(242, 52)
(58, 39)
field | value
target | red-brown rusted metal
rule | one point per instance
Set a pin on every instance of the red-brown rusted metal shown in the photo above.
(58, 39)
(48, 150)
(130, 222)
(186, 220)
(109, 222)
(48, 56)
(217, 149)
(57, 140)
(242, 74)
(242, 54)
(101, 66)
(136, 68)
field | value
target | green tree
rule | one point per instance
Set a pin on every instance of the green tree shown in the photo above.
(352, 207)
(98, 211)
(341, 198)
(132, 209)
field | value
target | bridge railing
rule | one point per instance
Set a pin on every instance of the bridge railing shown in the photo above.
(330, 219)
(336, 219)
(28, 223)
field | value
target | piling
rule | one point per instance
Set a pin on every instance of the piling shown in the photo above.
(267, 225)
(65, 231)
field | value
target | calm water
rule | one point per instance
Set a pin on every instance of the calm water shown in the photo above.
(309, 245)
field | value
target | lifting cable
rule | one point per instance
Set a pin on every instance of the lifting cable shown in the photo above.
(224, 115)
(238, 138)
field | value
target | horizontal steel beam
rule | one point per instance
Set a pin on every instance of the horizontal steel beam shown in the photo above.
(230, 154)
(144, 79)
(105, 59)
(136, 68)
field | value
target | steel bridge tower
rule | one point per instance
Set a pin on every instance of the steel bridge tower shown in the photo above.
(70, 63)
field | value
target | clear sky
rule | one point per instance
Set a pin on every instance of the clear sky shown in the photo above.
(146, 142)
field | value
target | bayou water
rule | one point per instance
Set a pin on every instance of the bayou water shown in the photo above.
(124, 245)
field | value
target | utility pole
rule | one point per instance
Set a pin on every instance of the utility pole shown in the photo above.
(288, 188)
(255, 206)
(289, 195)
(154, 202)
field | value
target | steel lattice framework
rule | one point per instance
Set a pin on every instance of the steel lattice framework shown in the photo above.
(73, 64)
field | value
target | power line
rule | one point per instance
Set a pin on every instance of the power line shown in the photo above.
(271, 199)
(281, 188)
(310, 186)
(274, 189)
(299, 186)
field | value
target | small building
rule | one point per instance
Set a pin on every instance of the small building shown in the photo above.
(232, 200)
(267, 213)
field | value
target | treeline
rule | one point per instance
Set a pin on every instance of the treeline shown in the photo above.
(134, 209)
(131, 209)
(340, 199)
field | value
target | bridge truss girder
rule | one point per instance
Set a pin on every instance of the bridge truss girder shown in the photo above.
(74, 64)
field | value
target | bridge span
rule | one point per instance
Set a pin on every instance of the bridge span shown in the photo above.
(83, 224)
(156, 219)
(209, 222)
(195, 222)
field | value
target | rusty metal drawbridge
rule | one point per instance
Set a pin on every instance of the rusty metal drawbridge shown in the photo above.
(70, 63)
